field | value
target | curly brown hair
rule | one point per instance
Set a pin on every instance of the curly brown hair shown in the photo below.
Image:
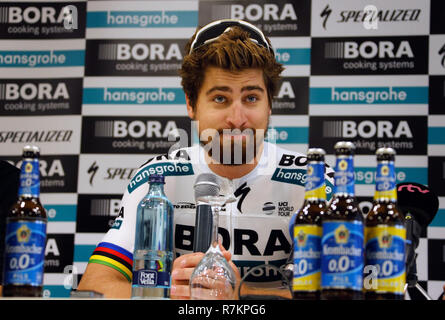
(232, 51)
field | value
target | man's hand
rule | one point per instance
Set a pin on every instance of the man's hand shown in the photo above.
(183, 268)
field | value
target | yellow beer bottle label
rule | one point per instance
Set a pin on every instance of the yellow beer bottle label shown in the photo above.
(315, 187)
(385, 259)
(307, 258)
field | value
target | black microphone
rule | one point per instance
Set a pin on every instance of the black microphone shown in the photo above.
(418, 200)
(206, 184)
(419, 205)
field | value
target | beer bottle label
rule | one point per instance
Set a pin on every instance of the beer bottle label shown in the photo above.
(344, 175)
(307, 258)
(30, 178)
(385, 259)
(315, 187)
(342, 255)
(385, 181)
(25, 252)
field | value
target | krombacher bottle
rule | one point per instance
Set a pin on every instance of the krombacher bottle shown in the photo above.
(342, 241)
(385, 235)
(306, 283)
(26, 233)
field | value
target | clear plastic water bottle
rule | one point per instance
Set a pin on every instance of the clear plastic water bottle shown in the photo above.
(153, 245)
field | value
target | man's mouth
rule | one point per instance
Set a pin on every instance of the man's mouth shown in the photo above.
(236, 137)
(237, 134)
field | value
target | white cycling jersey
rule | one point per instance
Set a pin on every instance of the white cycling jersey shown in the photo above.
(254, 228)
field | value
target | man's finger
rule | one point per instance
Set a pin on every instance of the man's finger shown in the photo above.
(188, 260)
(182, 274)
(180, 292)
(228, 256)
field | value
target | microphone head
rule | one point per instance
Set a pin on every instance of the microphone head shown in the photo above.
(419, 200)
(206, 184)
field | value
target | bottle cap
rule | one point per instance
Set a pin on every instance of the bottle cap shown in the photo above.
(156, 178)
(385, 154)
(315, 154)
(31, 151)
(344, 147)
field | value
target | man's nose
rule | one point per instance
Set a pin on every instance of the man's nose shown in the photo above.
(237, 117)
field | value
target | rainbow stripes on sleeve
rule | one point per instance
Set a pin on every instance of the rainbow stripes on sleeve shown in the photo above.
(115, 257)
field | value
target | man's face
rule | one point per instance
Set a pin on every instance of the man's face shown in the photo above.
(233, 113)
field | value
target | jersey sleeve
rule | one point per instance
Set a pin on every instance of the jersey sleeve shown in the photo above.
(116, 248)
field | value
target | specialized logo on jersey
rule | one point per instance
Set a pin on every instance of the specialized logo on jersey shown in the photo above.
(242, 191)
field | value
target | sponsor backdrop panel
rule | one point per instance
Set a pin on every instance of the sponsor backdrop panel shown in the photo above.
(141, 19)
(43, 20)
(406, 134)
(20, 97)
(141, 96)
(275, 18)
(370, 18)
(106, 173)
(95, 85)
(368, 95)
(370, 55)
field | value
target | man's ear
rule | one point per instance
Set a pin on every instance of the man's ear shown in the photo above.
(190, 110)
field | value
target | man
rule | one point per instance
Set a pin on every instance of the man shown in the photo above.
(229, 77)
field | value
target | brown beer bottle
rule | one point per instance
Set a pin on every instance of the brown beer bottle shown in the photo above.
(385, 234)
(306, 283)
(26, 233)
(342, 241)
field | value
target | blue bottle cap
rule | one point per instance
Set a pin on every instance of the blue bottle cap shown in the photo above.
(156, 178)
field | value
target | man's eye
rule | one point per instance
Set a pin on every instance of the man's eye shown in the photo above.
(251, 99)
(219, 99)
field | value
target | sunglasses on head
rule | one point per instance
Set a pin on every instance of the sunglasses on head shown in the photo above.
(213, 30)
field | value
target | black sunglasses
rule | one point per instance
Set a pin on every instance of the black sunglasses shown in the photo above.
(213, 30)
